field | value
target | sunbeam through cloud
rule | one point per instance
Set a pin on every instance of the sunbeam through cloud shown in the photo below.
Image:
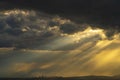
(33, 43)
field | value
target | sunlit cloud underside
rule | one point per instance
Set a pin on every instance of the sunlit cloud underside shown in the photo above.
(87, 52)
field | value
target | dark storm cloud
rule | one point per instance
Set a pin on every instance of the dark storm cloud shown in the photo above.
(72, 28)
(27, 29)
(23, 30)
(105, 13)
(36, 30)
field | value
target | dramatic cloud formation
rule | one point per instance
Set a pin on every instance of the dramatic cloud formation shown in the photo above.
(32, 29)
(34, 44)
(71, 38)
(24, 29)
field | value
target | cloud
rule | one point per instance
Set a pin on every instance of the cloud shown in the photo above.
(100, 59)
(23, 67)
(55, 46)
(36, 30)
(30, 29)
(18, 25)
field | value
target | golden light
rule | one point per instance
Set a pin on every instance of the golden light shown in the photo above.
(15, 12)
(89, 32)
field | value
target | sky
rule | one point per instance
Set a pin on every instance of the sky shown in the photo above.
(102, 12)
(59, 38)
